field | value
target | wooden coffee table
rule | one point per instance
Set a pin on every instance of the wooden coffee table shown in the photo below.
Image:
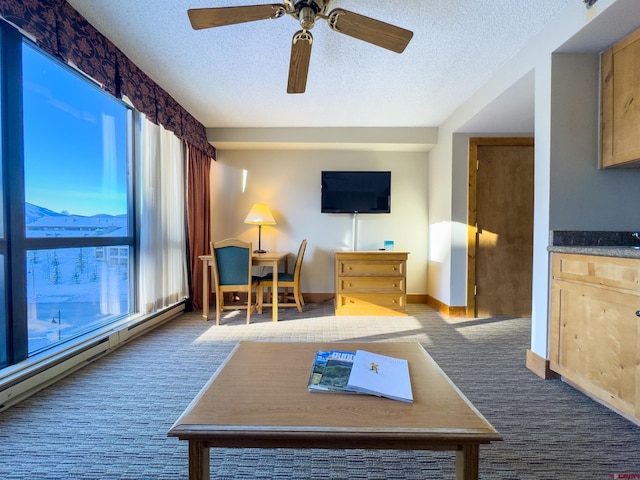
(258, 398)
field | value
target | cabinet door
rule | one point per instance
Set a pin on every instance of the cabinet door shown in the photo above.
(620, 109)
(597, 341)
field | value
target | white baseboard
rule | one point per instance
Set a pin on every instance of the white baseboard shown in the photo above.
(20, 381)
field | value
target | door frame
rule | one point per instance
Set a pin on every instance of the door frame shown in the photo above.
(472, 226)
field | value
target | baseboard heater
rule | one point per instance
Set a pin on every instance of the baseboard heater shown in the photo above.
(24, 380)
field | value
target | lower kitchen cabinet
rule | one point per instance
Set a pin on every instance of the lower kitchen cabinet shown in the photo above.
(594, 337)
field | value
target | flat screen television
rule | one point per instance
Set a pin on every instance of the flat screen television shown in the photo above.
(356, 192)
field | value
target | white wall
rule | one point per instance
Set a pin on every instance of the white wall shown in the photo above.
(288, 181)
(570, 193)
(583, 197)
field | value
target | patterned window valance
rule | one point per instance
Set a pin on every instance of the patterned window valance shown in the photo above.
(60, 30)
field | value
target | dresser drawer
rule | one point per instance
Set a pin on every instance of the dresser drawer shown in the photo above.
(371, 284)
(370, 304)
(356, 268)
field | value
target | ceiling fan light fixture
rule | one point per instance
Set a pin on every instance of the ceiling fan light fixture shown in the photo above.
(307, 18)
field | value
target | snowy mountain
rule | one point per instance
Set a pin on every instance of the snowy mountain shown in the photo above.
(34, 212)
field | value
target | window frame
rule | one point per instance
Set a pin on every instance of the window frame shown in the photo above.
(15, 244)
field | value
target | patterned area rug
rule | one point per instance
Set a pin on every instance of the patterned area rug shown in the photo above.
(110, 419)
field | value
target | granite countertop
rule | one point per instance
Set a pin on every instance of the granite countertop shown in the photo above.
(607, 244)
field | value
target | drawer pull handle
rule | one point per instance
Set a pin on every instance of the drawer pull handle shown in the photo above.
(638, 313)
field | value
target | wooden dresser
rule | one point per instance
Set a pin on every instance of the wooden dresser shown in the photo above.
(371, 283)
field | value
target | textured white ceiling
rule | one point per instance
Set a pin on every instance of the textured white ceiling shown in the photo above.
(236, 76)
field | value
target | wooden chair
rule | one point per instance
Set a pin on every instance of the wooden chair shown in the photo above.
(232, 273)
(288, 280)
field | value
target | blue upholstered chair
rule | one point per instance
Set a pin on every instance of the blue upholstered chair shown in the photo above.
(288, 280)
(232, 273)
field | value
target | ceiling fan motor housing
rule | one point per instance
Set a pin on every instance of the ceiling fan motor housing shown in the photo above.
(318, 6)
(307, 10)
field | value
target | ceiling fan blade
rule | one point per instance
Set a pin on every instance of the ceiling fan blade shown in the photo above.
(369, 30)
(299, 64)
(217, 17)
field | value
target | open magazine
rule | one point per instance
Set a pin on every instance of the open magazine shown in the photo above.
(340, 371)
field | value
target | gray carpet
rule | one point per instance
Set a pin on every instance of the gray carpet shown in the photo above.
(110, 419)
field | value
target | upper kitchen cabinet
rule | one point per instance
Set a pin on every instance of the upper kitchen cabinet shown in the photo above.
(620, 104)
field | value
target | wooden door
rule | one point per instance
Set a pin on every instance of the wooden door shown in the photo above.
(501, 221)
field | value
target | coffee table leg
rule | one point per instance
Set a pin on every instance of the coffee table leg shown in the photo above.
(467, 460)
(198, 460)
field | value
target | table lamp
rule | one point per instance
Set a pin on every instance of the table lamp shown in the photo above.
(260, 215)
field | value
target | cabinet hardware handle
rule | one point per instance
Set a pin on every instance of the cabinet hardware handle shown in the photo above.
(638, 313)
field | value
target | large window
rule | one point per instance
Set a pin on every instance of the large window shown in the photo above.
(69, 244)
(76, 194)
(77, 224)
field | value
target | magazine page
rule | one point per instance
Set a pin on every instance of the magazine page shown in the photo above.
(336, 372)
(381, 375)
(319, 362)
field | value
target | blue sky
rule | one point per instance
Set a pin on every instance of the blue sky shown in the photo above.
(75, 141)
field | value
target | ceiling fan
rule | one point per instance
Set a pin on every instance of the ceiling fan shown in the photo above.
(306, 12)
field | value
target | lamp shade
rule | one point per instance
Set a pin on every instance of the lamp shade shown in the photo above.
(260, 215)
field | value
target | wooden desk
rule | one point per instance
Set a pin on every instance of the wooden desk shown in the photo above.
(268, 259)
(258, 398)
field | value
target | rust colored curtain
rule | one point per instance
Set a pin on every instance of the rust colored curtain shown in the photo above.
(198, 219)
